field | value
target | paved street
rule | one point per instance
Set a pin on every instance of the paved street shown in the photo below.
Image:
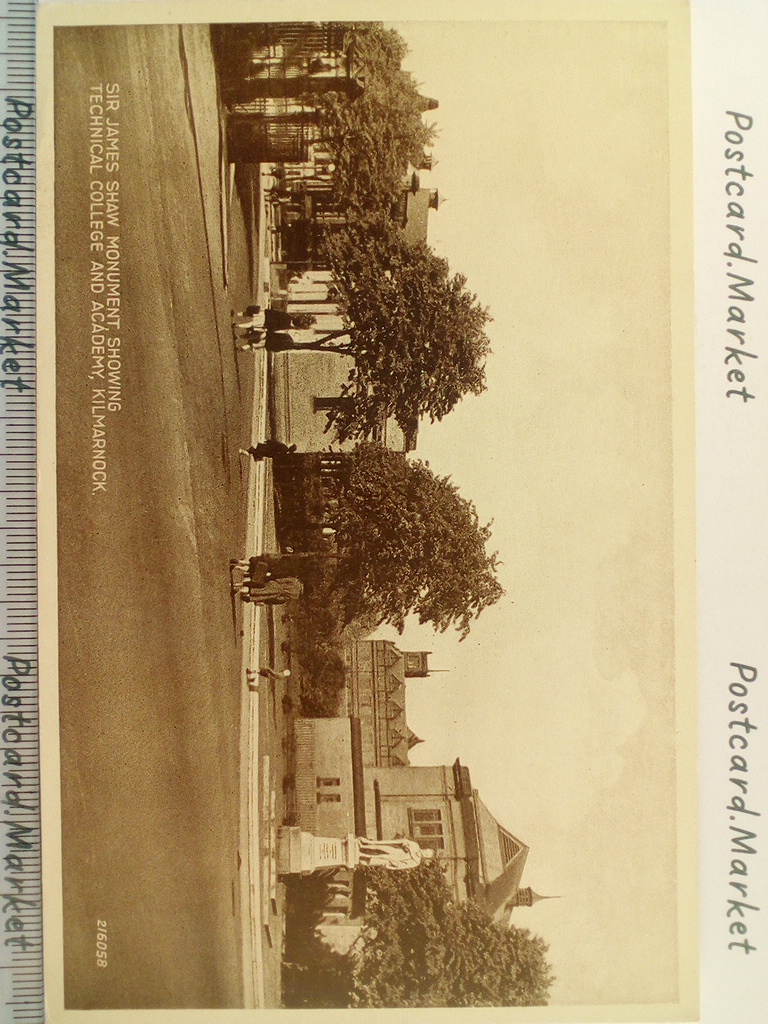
(166, 793)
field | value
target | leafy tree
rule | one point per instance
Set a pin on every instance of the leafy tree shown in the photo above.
(323, 673)
(418, 948)
(319, 635)
(423, 949)
(411, 543)
(374, 136)
(416, 333)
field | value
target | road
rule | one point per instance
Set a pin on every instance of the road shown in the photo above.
(156, 720)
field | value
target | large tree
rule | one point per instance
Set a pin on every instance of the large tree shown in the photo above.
(411, 544)
(418, 948)
(374, 136)
(416, 332)
(423, 949)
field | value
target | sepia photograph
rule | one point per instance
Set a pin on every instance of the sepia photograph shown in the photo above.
(370, 673)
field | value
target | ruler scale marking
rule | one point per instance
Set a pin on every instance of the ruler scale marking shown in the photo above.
(21, 963)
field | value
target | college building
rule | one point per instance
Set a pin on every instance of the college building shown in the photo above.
(354, 776)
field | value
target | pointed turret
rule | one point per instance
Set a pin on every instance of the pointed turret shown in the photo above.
(525, 897)
(416, 664)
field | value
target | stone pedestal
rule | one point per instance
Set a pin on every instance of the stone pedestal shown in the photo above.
(301, 853)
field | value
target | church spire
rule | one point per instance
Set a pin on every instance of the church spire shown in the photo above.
(526, 898)
(534, 897)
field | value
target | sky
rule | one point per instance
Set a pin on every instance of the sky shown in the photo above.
(553, 163)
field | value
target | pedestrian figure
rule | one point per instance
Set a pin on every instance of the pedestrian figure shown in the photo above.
(269, 449)
(254, 323)
(251, 316)
(255, 570)
(272, 565)
(247, 584)
(271, 319)
(254, 574)
(251, 338)
(273, 592)
(291, 340)
(249, 324)
(273, 676)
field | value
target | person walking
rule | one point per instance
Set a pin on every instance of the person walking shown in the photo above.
(253, 326)
(265, 673)
(269, 449)
(273, 591)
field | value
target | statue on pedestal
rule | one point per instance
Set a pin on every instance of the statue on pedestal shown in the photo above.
(303, 853)
(393, 854)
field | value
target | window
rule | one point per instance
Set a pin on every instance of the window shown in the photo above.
(509, 846)
(325, 784)
(426, 825)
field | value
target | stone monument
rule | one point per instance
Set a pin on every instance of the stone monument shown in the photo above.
(301, 853)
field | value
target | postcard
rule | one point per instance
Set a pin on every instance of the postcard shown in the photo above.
(367, 434)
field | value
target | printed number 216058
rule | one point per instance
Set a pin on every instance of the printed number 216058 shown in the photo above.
(101, 943)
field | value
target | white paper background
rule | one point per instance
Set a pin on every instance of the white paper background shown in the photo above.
(731, 73)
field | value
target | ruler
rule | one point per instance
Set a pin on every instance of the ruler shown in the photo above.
(21, 958)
